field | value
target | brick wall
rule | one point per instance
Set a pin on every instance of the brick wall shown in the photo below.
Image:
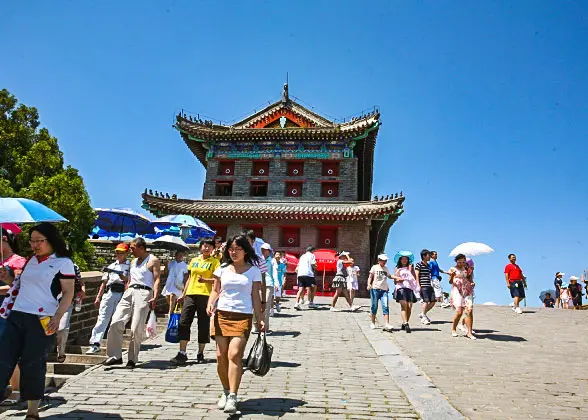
(277, 178)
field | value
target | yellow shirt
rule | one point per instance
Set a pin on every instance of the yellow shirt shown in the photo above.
(201, 267)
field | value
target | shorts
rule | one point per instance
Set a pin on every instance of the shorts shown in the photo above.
(339, 282)
(352, 285)
(278, 292)
(437, 288)
(428, 294)
(557, 293)
(517, 289)
(405, 294)
(577, 300)
(231, 324)
(305, 281)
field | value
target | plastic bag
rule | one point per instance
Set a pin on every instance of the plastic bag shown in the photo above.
(151, 328)
(172, 333)
(260, 356)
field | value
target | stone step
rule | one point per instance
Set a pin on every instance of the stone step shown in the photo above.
(86, 359)
(66, 368)
(55, 381)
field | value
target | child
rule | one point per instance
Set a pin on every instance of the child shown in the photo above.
(548, 302)
(565, 296)
(378, 288)
(353, 273)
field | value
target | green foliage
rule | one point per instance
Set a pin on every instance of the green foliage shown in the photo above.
(31, 166)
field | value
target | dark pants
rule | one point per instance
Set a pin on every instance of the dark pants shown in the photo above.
(23, 341)
(195, 305)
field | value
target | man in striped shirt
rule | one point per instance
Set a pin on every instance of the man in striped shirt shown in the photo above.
(423, 274)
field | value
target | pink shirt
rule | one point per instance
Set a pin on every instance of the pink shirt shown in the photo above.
(408, 280)
(461, 281)
(15, 262)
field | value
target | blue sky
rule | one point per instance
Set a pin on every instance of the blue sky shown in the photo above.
(483, 105)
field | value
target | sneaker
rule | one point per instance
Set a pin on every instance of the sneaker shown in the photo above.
(111, 361)
(462, 328)
(445, 305)
(425, 320)
(231, 405)
(354, 308)
(403, 327)
(518, 310)
(407, 329)
(7, 392)
(311, 305)
(278, 308)
(472, 337)
(254, 330)
(269, 332)
(454, 334)
(131, 364)
(333, 309)
(297, 306)
(372, 326)
(199, 358)
(179, 359)
(388, 328)
(94, 349)
(222, 401)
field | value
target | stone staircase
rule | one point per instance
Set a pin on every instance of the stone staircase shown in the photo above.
(77, 361)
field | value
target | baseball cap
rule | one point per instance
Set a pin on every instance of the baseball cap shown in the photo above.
(266, 246)
(383, 257)
(122, 247)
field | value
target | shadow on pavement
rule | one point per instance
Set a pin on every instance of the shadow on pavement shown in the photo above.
(159, 365)
(419, 329)
(83, 414)
(284, 364)
(294, 334)
(273, 407)
(500, 337)
(440, 322)
(283, 315)
(150, 346)
(484, 331)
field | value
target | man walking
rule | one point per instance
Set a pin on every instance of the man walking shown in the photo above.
(305, 272)
(270, 284)
(516, 282)
(260, 263)
(423, 275)
(436, 279)
(109, 295)
(140, 296)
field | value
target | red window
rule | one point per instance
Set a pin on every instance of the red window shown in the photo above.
(290, 237)
(221, 230)
(330, 189)
(257, 229)
(260, 168)
(258, 189)
(327, 237)
(224, 188)
(295, 168)
(330, 168)
(293, 189)
(226, 167)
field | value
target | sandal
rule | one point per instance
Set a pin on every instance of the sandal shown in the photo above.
(61, 359)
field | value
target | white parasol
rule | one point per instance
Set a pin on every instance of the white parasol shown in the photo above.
(471, 249)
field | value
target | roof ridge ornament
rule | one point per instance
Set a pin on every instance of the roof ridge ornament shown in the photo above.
(285, 96)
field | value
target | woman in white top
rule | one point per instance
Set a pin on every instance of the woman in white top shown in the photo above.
(177, 275)
(236, 296)
(31, 313)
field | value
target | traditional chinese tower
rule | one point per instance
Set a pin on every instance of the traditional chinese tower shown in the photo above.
(293, 176)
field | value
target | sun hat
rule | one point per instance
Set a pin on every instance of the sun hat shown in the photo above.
(122, 247)
(266, 246)
(574, 278)
(343, 254)
(383, 257)
(401, 254)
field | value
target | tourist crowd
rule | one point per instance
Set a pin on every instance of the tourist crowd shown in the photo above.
(231, 288)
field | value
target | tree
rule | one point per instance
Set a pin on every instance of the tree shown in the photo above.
(31, 166)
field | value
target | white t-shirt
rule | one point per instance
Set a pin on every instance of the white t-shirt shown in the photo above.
(110, 278)
(305, 265)
(381, 274)
(352, 273)
(40, 285)
(235, 295)
(176, 270)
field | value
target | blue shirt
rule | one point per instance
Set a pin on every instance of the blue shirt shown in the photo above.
(279, 272)
(435, 271)
(269, 276)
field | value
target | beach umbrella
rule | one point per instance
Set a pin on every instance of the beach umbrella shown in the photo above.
(172, 243)
(23, 210)
(13, 227)
(326, 260)
(400, 254)
(198, 229)
(471, 249)
(121, 221)
(291, 262)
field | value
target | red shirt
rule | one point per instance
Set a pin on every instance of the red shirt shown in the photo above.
(514, 272)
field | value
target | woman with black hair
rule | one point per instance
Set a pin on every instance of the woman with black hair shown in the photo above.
(406, 284)
(462, 294)
(31, 314)
(234, 298)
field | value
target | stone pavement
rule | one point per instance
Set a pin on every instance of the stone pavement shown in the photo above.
(528, 366)
(323, 368)
(331, 365)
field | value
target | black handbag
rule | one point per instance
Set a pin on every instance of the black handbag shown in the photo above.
(260, 356)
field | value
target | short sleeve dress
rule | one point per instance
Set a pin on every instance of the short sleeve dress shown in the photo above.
(462, 291)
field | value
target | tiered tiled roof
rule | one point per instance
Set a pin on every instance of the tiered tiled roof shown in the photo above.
(293, 210)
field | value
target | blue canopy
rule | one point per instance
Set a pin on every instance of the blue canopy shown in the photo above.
(121, 222)
(23, 210)
(169, 224)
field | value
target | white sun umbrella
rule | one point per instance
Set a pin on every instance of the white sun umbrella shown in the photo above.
(172, 243)
(471, 249)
